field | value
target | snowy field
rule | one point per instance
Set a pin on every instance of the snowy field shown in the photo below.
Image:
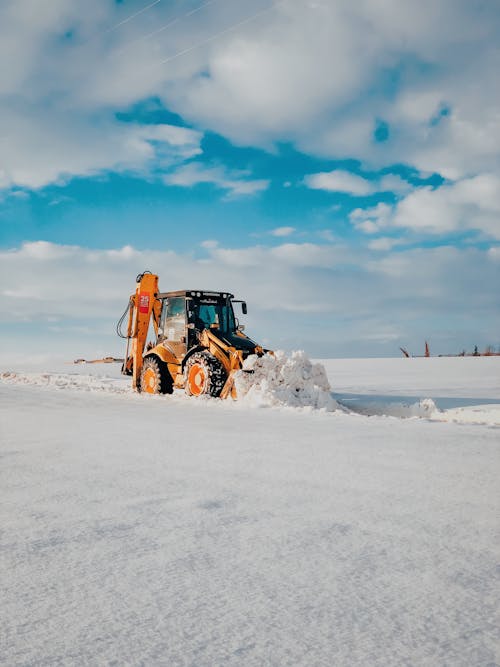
(140, 530)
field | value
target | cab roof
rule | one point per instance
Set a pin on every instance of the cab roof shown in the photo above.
(197, 294)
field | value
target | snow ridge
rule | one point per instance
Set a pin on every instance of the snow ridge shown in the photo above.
(277, 381)
(68, 381)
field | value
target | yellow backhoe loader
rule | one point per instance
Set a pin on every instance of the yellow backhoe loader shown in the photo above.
(199, 343)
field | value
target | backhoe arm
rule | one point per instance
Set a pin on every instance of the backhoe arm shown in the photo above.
(143, 306)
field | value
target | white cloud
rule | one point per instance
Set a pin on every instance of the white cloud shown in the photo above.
(471, 204)
(325, 299)
(209, 244)
(236, 182)
(464, 142)
(394, 183)
(327, 235)
(46, 149)
(384, 243)
(372, 220)
(340, 181)
(67, 75)
(283, 231)
(306, 255)
(441, 115)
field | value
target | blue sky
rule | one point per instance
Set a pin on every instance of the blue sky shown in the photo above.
(336, 166)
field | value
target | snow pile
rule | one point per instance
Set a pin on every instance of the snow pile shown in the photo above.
(278, 380)
(471, 414)
(425, 408)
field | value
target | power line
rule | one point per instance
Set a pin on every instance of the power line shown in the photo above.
(170, 23)
(132, 16)
(120, 23)
(177, 19)
(231, 28)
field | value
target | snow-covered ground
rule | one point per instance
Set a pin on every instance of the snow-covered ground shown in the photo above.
(139, 530)
(460, 389)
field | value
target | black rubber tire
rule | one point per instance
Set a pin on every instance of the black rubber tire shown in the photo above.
(156, 371)
(215, 375)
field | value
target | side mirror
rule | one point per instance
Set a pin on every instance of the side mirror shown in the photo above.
(244, 307)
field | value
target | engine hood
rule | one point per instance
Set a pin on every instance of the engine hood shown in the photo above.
(239, 342)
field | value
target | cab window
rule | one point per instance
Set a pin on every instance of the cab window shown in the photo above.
(174, 318)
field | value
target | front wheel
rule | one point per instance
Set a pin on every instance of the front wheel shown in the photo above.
(204, 374)
(155, 378)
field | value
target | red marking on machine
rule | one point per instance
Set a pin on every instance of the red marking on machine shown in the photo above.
(144, 302)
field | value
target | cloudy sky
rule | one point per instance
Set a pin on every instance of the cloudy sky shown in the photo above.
(335, 163)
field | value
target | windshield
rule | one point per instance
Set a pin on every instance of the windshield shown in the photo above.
(215, 313)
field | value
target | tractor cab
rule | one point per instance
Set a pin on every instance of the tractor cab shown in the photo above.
(186, 314)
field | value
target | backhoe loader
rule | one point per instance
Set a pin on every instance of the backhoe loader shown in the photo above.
(199, 343)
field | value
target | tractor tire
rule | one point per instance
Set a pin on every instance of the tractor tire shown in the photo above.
(155, 378)
(205, 375)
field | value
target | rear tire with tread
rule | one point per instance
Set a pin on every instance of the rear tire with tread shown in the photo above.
(155, 378)
(205, 375)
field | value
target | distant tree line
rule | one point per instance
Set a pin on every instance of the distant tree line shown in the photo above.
(489, 351)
